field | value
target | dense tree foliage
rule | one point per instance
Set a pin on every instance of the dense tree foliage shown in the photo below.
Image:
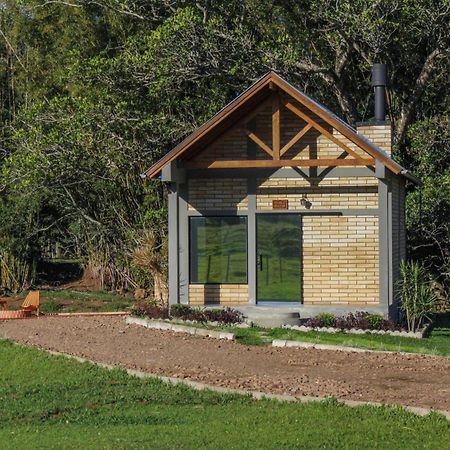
(93, 92)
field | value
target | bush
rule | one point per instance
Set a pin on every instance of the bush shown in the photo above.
(226, 315)
(213, 315)
(195, 314)
(180, 311)
(360, 320)
(314, 322)
(327, 319)
(186, 312)
(375, 321)
(342, 323)
(418, 301)
(150, 309)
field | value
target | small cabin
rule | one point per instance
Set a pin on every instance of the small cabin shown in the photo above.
(276, 201)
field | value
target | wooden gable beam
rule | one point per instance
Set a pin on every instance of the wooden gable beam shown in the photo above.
(273, 163)
(259, 142)
(321, 129)
(276, 125)
(295, 139)
(345, 130)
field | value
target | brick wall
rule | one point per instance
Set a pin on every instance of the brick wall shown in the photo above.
(224, 294)
(232, 146)
(330, 193)
(340, 260)
(380, 135)
(220, 193)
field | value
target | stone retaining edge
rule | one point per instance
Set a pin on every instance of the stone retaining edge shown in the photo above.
(257, 395)
(409, 334)
(89, 314)
(342, 348)
(160, 325)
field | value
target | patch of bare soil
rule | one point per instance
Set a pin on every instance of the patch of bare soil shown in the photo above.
(415, 380)
(86, 283)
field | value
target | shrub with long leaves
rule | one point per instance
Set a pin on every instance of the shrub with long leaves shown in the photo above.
(418, 301)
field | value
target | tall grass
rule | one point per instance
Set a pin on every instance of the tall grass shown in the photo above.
(15, 274)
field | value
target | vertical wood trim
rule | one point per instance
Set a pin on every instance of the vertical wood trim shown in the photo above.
(251, 228)
(276, 128)
(251, 240)
(173, 243)
(384, 240)
(183, 243)
(390, 247)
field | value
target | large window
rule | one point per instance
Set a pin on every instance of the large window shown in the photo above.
(218, 249)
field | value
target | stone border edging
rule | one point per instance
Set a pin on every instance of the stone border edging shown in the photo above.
(14, 314)
(409, 334)
(342, 348)
(63, 315)
(166, 326)
(257, 395)
(89, 314)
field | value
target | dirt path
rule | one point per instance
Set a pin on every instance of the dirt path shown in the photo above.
(415, 380)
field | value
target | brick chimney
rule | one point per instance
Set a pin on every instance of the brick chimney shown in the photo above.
(380, 133)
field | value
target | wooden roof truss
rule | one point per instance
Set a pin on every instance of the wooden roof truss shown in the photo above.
(239, 113)
(275, 151)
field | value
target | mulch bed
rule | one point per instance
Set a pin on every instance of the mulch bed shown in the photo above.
(415, 380)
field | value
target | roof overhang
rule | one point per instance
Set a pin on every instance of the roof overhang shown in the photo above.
(247, 101)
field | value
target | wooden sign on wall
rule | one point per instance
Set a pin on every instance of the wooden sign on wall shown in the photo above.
(280, 204)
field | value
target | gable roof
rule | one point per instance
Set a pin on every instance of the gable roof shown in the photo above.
(251, 97)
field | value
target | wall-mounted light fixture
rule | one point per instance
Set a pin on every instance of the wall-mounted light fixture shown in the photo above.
(305, 202)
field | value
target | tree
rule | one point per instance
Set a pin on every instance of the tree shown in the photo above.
(94, 91)
(428, 207)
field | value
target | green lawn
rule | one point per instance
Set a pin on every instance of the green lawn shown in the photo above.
(65, 300)
(77, 301)
(50, 402)
(437, 344)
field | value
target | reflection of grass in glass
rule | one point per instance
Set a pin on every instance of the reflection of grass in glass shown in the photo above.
(222, 269)
(221, 255)
(221, 250)
(279, 250)
(280, 279)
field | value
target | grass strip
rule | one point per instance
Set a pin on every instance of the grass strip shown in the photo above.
(53, 402)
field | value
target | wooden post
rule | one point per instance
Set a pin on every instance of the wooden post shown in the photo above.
(276, 133)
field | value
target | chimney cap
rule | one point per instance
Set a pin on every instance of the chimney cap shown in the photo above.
(379, 75)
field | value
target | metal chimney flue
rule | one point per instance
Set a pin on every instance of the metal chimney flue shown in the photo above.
(379, 83)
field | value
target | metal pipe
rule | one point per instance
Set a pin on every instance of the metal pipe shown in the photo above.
(407, 174)
(379, 83)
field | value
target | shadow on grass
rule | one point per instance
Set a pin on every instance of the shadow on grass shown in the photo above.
(442, 321)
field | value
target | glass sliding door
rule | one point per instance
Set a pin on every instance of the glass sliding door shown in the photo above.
(278, 259)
